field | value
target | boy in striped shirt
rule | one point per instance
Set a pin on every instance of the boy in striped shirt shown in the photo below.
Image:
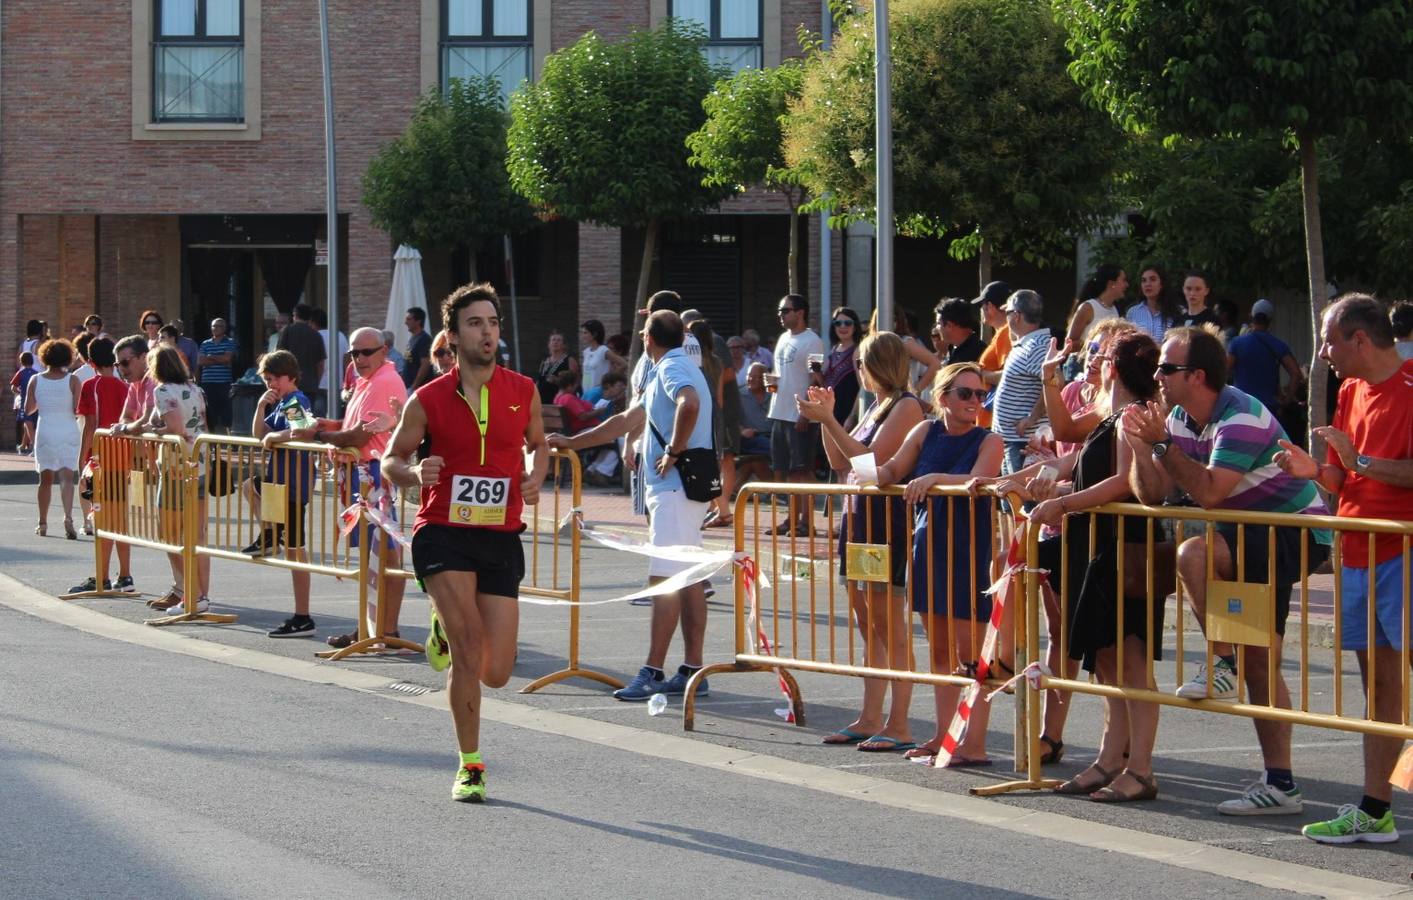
(1219, 445)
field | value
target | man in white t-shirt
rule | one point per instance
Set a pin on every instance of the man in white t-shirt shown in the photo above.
(794, 440)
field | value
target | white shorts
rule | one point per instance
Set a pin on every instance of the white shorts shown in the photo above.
(673, 520)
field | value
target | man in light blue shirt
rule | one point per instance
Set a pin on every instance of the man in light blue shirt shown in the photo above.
(675, 416)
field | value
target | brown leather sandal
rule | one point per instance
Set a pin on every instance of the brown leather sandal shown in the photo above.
(1055, 753)
(1107, 794)
(1074, 788)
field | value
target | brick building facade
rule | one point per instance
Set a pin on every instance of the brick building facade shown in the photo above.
(124, 186)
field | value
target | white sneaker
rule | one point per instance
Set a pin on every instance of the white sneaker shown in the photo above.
(1262, 799)
(1223, 683)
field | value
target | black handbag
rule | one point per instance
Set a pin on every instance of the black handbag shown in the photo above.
(699, 469)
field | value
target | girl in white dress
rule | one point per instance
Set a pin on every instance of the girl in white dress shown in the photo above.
(54, 395)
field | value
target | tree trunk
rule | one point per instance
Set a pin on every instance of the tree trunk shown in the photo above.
(1319, 292)
(792, 260)
(983, 263)
(641, 301)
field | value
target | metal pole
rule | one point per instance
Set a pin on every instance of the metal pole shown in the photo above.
(826, 246)
(334, 367)
(883, 160)
(514, 305)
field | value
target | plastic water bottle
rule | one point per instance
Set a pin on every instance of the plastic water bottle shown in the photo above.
(657, 704)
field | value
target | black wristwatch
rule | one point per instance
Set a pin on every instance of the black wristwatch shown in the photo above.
(1160, 448)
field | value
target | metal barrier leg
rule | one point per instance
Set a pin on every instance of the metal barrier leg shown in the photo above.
(1028, 740)
(187, 472)
(572, 668)
(689, 698)
(379, 641)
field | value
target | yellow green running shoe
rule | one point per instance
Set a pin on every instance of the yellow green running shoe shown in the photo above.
(1353, 824)
(470, 786)
(437, 649)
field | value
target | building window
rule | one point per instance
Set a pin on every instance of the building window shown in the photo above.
(198, 61)
(733, 29)
(487, 38)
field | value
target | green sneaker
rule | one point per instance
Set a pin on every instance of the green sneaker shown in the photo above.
(1351, 825)
(470, 784)
(437, 649)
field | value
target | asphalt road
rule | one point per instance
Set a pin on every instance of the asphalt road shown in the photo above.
(316, 753)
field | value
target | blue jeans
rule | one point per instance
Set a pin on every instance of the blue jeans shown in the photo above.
(1014, 460)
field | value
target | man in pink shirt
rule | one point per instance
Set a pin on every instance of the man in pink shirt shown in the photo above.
(372, 410)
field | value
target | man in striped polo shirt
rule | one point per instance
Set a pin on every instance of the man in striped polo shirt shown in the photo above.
(1019, 408)
(1218, 446)
(215, 360)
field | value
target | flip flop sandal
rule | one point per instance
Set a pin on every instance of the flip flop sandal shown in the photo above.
(850, 737)
(1055, 753)
(1074, 788)
(920, 752)
(1149, 791)
(884, 744)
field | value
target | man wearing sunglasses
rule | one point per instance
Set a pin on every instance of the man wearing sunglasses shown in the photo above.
(794, 440)
(1219, 446)
(372, 410)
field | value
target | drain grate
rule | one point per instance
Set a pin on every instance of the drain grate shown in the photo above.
(407, 687)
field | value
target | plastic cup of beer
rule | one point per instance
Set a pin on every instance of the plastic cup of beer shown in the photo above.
(772, 382)
(816, 361)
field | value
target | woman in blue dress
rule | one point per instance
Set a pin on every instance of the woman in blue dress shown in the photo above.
(878, 610)
(951, 555)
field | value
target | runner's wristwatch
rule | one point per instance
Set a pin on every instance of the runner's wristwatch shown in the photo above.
(1160, 448)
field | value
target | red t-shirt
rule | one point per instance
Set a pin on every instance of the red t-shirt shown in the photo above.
(578, 411)
(101, 398)
(1379, 421)
(480, 479)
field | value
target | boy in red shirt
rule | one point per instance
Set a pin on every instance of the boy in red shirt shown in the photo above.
(101, 400)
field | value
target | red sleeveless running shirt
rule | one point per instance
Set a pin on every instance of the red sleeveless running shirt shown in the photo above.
(483, 459)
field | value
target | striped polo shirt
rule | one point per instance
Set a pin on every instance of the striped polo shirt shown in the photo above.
(1241, 437)
(1020, 385)
(217, 374)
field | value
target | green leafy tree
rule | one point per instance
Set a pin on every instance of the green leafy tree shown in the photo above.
(992, 139)
(443, 182)
(1210, 69)
(740, 144)
(601, 137)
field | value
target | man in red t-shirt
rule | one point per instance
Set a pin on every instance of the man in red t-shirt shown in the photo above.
(481, 418)
(1370, 469)
(101, 401)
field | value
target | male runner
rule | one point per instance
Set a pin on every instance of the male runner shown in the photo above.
(480, 419)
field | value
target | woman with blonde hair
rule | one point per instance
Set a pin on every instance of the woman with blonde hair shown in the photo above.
(443, 357)
(951, 556)
(922, 362)
(179, 408)
(879, 613)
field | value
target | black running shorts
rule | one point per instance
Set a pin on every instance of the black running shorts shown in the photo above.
(497, 557)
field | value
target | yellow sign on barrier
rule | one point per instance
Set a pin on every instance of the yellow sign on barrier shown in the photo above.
(273, 500)
(137, 490)
(1239, 613)
(868, 562)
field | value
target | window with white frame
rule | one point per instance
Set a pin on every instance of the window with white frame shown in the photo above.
(487, 38)
(198, 61)
(733, 29)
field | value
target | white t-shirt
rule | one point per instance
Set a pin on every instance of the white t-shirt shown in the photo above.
(84, 372)
(792, 354)
(333, 362)
(594, 366)
(31, 346)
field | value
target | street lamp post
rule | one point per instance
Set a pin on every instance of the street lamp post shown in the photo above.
(883, 161)
(331, 226)
(826, 246)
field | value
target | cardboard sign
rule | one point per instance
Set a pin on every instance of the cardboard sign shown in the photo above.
(1240, 613)
(1402, 776)
(274, 500)
(868, 562)
(137, 490)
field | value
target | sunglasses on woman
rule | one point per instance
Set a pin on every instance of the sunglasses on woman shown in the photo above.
(439, 354)
(966, 394)
(840, 323)
(152, 322)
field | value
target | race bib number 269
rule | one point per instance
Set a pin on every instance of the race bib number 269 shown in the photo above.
(478, 501)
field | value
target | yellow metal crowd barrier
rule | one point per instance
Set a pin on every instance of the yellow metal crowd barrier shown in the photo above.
(146, 492)
(551, 563)
(804, 619)
(809, 618)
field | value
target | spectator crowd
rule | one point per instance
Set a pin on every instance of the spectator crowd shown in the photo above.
(1158, 395)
